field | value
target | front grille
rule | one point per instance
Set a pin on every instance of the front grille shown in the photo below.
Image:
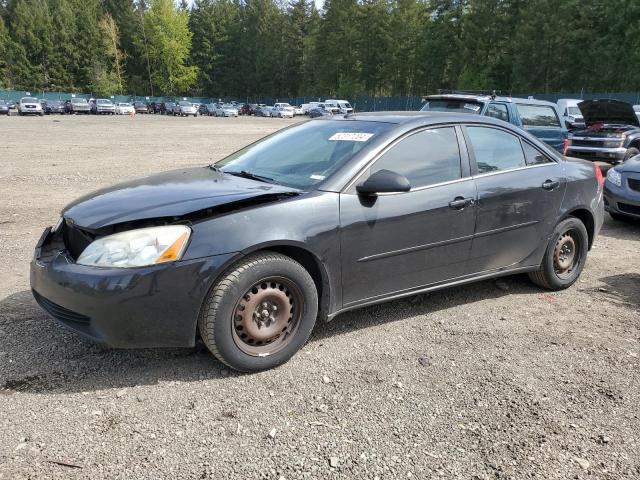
(634, 184)
(587, 143)
(627, 208)
(60, 313)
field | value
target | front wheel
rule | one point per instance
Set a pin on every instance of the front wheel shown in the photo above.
(260, 313)
(565, 256)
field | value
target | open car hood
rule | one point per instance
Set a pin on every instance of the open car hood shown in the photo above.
(166, 195)
(608, 112)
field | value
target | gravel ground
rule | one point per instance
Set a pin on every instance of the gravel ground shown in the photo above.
(494, 380)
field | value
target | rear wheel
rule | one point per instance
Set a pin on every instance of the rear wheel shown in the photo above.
(260, 312)
(565, 256)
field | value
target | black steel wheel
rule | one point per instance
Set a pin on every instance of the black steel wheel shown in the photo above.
(260, 313)
(564, 257)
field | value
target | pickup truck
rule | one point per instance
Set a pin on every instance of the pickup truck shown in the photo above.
(611, 134)
(540, 118)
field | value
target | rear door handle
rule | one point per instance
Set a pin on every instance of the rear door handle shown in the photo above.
(460, 202)
(550, 185)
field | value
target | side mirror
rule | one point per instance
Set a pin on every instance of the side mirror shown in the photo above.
(384, 181)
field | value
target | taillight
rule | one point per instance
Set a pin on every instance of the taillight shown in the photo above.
(599, 176)
(565, 146)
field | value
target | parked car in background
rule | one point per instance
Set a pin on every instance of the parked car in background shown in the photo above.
(29, 106)
(307, 107)
(636, 108)
(103, 106)
(571, 113)
(208, 109)
(622, 190)
(298, 110)
(263, 111)
(4, 107)
(184, 108)
(342, 106)
(77, 105)
(141, 107)
(282, 110)
(319, 110)
(155, 107)
(357, 214)
(541, 119)
(125, 108)
(612, 132)
(13, 106)
(246, 109)
(226, 110)
(54, 106)
(166, 108)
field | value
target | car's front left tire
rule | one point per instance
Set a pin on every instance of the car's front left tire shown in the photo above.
(260, 312)
(565, 256)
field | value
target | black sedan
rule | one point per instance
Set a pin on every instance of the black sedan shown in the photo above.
(4, 107)
(622, 190)
(54, 106)
(319, 218)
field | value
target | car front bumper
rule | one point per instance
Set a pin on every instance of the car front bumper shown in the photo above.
(621, 200)
(597, 153)
(155, 306)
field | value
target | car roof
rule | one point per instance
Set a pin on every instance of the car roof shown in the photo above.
(417, 118)
(487, 98)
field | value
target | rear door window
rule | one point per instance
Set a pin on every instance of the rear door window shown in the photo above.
(495, 150)
(498, 110)
(538, 116)
(533, 156)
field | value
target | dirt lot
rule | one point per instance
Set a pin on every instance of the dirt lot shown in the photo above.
(494, 380)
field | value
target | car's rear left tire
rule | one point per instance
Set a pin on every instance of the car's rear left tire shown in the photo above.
(565, 256)
(260, 312)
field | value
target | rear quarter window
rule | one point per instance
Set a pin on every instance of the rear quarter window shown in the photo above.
(538, 116)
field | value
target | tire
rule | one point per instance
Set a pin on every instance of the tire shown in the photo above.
(556, 271)
(266, 283)
(619, 217)
(631, 152)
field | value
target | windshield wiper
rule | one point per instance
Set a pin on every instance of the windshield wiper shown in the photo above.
(252, 176)
(214, 168)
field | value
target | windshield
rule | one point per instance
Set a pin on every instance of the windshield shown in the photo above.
(124, 104)
(452, 105)
(185, 104)
(575, 111)
(78, 100)
(306, 154)
(103, 102)
(29, 100)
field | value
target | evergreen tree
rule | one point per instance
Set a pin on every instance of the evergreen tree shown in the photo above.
(169, 42)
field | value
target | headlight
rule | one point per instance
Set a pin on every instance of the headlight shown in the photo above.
(614, 177)
(137, 248)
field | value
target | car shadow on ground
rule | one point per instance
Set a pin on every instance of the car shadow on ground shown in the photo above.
(37, 355)
(623, 288)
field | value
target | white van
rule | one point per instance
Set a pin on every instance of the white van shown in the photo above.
(571, 112)
(342, 105)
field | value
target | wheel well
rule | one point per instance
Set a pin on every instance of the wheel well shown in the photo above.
(586, 218)
(315, 269)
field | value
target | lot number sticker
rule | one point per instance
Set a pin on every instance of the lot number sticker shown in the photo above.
(351, 137)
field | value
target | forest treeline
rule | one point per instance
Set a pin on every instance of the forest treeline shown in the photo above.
(252, 48)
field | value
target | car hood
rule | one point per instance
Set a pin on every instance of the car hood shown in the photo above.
(170, 194)
(608, 112)
(632, 165)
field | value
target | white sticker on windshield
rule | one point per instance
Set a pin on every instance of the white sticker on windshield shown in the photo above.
(351, 137)
(472, 106)
(317, 177)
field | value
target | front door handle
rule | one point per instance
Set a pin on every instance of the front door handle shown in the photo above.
(460, 202)
(550, 184)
